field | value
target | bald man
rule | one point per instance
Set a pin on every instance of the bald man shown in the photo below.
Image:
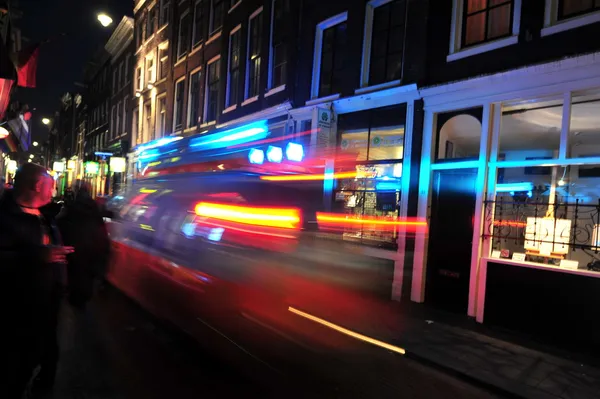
(32, 279)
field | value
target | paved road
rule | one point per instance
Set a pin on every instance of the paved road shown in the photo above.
(115, 350)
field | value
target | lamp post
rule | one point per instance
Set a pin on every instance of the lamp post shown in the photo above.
(104, 19)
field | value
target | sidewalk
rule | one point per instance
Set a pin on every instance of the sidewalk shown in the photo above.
(505, 367)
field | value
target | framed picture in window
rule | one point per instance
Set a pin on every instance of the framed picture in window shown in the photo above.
(449, 150)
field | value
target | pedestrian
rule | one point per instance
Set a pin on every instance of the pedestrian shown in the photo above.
(32, 279)
(82, 227)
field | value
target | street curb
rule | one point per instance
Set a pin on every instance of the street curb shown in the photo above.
(487, 386)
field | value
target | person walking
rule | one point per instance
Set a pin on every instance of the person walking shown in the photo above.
(82, 227)
(32, 280)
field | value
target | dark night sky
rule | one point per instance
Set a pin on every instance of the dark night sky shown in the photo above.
(62, 60)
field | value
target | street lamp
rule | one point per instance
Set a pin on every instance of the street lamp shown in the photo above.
(45, 121)
(31, 156)
(104, 19)
(35, 143)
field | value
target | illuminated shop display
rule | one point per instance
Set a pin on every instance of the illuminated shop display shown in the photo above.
(58, 166)
(92, 168)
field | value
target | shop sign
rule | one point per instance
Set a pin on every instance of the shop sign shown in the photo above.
(387, 141)
(118, 164)
(92, 168)
(58, 167)
(11, 166)
(351, 144)
(324, 117)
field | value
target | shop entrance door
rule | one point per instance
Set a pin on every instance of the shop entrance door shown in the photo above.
(450, 239)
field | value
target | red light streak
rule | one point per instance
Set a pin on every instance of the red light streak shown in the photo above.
(340, 219)
(287, 218)
(343, 175)
(511, 223)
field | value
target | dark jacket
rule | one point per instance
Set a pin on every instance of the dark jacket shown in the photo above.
(28, 285)
(82, 227)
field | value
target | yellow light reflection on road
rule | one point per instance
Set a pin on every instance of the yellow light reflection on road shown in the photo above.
(348, 332)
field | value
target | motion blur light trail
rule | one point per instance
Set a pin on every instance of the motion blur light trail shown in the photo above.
(287, 218)
(348, 332)
(343, 219)
(343, 175)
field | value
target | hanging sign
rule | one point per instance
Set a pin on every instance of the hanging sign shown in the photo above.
(58, 167)
(117, 164)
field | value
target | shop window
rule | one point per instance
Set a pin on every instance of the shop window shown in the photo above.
(584, 128)
(459, 135)
(546, 219)
(531, 132)
(572, 8)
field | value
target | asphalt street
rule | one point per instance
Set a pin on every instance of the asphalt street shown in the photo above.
(116, 350)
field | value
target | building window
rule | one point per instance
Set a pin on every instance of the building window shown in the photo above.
(233, 79)
(387, 42)
(114, 85)
(164, 58)
(178, 117)
(573, 8)
(125, 104)
(213, 76)
(118, 123)
(150, 70)
(198, 34)
(233, 3)
(127, 64)
(140, 78)
(161, 115)
(254, 54)
(216, 15)
(150, 22)
(279, 44)
(164, 12)
(333, 57)
(122, 77)
(113, 122)
(135, 127)
(148, 134)
(139, 33)
(184, 35)
(194, 99)
(486, 20)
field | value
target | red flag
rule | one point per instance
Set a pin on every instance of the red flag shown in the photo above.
(27, 66)
(5, 87)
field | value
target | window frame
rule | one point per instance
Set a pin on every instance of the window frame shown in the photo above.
(458, 51)
(270, 77)
(175, 93)
(162, 21)
(228, 105)
(125, 102)
(118, 123)
(197, 71)
(247, 97)
(213, 60)
(164, 46)
(180, 55)
(150, 71)
(367, 46)
(161, 130)
(113, 115)
(553, 25)
(211, 19)
(147, 129)
(318, 51)
(196, 44)
(140, 77)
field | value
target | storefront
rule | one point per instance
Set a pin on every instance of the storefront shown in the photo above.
(510, 185)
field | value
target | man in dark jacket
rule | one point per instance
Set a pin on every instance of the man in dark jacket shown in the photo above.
(32, 277)
(82, 227)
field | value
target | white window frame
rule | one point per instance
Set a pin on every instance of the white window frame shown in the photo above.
(195, 45)
(145, 127)
(228, 106)
(189, 97)
(367, 44)
(135, 125)
(175, 92)
(158, 127)
(456, 52)
(271, 88)
(182, 55)
(247, 99)
(140, 70)
(207, 88)
(152, 78)
(552, 25)
(162, 4)
(233, 7)
(125, 102)
(163, 46)
(322, 26)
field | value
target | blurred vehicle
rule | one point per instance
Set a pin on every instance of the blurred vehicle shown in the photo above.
(228, 250)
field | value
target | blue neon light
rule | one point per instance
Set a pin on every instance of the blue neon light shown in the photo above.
(216, 234)
(294, 152)
(274, 154)
(256, 156)
(158, 143)
(388, 186)
(231, 137)
(512, 187)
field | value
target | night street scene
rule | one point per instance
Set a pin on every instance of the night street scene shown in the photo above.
(299, 199)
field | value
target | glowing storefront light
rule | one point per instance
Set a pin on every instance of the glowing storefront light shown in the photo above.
(274, 154)
(256, 156)
(92, 168)
(512, 187)
(294, 152)
(58, 166)
(118, 164)
(71, 165)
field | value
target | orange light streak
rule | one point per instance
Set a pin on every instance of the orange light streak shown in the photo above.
(342, 219)
(350, 333)
(511, 223)
(287, 218)
(343, 175)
